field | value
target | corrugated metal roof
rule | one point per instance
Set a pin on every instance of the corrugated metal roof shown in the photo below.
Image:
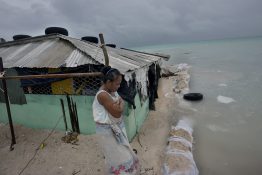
(61, 51)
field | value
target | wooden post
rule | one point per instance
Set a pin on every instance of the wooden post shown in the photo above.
(7, 106)
(102, 41)
(64, 116)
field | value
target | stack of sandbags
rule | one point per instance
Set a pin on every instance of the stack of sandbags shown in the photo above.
(179, 158)
(180, 75)
(181, 82)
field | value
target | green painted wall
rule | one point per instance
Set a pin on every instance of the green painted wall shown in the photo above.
(43, 111)
(135, 117)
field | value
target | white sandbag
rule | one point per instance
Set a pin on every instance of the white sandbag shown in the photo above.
(179, 158)
(179, 163)
(178, 144)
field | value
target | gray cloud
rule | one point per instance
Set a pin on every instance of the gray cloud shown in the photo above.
(137, 22)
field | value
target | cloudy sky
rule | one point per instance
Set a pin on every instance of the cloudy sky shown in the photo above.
(135, 22)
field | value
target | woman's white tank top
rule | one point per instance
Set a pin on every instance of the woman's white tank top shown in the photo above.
(100, 114)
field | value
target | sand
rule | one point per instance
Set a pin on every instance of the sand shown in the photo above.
(56, 157)
(85, 157)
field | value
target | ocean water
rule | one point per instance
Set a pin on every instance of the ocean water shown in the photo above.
(228, 122)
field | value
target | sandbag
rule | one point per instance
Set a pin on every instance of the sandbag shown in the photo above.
(178, 157)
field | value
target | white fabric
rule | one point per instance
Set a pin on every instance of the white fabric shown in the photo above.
(119, 156)
(100, 114)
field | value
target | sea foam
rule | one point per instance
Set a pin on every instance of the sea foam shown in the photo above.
(223, 99)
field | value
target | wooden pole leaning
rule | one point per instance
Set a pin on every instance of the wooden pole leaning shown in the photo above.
(102, 41)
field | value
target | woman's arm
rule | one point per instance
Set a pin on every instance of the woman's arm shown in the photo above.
(115, 108)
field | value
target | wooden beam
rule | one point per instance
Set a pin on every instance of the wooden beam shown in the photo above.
(102, 41)
(68, 75)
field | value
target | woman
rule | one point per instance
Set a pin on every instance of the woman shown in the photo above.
(108, 107)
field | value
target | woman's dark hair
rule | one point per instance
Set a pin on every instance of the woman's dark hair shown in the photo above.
(109, 73)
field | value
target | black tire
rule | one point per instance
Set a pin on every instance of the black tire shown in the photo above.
(18, 37)
(193, 96)
(111, 45)
(58, 30)
(91, 39)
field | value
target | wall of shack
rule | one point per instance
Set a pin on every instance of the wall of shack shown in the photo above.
(43, 112)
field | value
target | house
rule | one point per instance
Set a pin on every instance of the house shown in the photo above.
(35, 103)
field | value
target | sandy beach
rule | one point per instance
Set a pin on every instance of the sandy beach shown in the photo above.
(85, 157)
